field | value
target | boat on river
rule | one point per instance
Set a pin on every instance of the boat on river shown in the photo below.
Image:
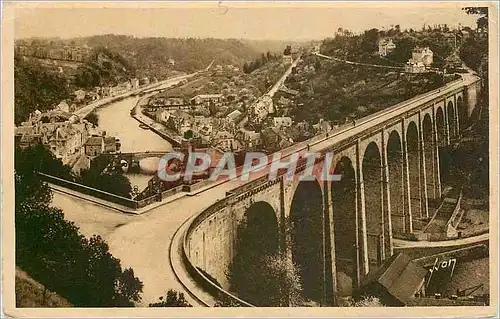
(144, 126)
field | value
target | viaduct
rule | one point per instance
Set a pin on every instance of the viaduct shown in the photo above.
(391, 164)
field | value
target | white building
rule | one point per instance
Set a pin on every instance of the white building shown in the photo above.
(385, 46)
(422, 55)
(282, 121)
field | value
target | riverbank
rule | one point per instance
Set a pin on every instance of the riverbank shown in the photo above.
(158, 128)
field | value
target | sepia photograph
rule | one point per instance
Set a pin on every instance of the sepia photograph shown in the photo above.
(305, 159)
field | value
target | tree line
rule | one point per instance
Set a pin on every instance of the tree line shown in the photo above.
(257, 63)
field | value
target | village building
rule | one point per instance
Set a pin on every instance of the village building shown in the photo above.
(415, 67)
(225, 141)
(63, 106)
(322, 126)
(135, 83)
(282, 121)
(287, 59)
(385, 47)
(208, 99)
(96, 145)
(262, 107)
(80, 95)
(234, 115)
(422, 55)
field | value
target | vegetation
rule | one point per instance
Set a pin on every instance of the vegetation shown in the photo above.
(104, 174)
(474, 51)
(53, 251)
(112, 181)
(39, 159)
(362, 47)
(341, 91)
(36, 88)
(151, 55)
(32, 294)
(366, 301)
(255, 64)
(482, 21)
(104, 68)
(93, 118)
(172, 299)
(259, 275)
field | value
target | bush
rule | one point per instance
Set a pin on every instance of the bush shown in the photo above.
(172, 299)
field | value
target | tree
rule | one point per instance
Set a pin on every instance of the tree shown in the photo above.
(93, 118)
(53, 251)
(39, 159)
(128, 289)
(188, 134)
(172, 299)
(482, 21)
(369, 41)
(113, 182)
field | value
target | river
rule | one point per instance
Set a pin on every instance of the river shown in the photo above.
(115, 119)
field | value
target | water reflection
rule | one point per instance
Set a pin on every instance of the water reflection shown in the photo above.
(115, 119)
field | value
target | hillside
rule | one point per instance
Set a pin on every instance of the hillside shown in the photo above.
(104, 67)
(273, 46)
(36, 87)
(336, 91)
(158, 56)
(31, 294)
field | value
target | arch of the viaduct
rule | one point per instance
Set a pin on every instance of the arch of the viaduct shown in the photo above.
(341, 230)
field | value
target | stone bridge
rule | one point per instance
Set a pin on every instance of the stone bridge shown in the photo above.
(391, 170)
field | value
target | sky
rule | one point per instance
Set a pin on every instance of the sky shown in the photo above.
(294, 21)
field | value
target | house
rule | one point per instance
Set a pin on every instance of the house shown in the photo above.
(214, 99)
(251, 137)
(171, 62)
(162, 115)
(64, 140)
(284, 88)
(273, 139)
(80, 95)
(422, 55)
(107, 91)
(144, 81)
(385, 47)
(94, 146)
(262, 107)
(283, 102)
(94, 96)
(282, 121)
(63, 106)
(234, 115)
(135, 83)
(322, 126)
(287, 59)
(225, 141)
(415, 67)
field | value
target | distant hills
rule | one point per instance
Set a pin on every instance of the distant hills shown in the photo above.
(158, 57)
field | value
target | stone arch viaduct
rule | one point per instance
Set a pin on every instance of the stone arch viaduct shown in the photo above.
(391, 171)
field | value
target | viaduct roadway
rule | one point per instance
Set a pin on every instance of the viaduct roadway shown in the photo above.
(146, 242)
